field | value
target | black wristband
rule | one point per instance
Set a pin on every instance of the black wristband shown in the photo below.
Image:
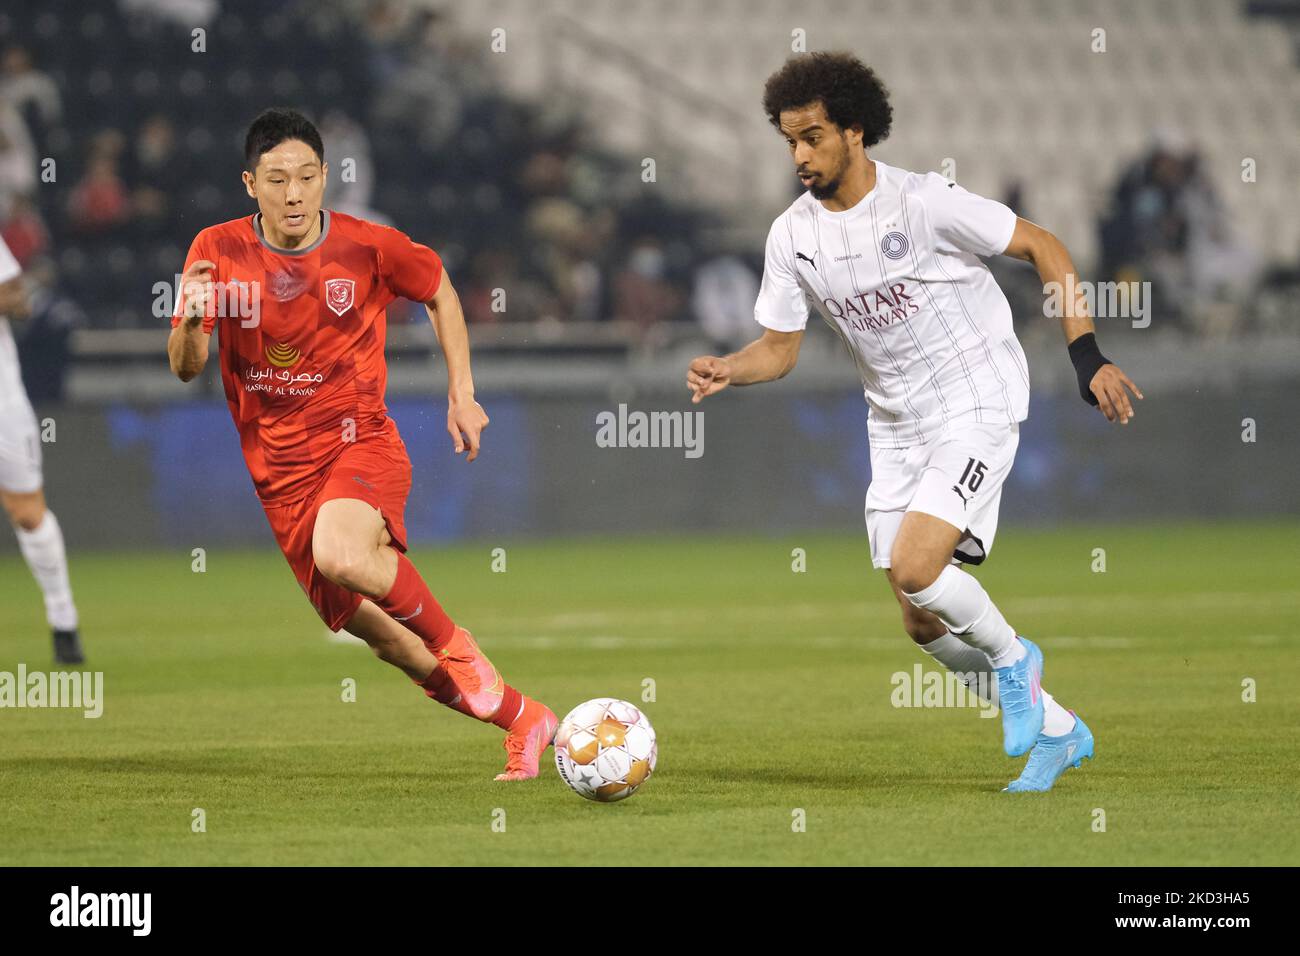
(1087, 359)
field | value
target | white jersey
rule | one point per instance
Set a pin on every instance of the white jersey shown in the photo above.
(12, 394)
(897, 276)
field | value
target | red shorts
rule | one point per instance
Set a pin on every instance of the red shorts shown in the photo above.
(377, 472)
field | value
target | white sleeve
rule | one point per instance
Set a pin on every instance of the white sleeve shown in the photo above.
(965, 221)
(9, 268)
(781, 305)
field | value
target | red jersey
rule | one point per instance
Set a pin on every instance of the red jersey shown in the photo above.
(301, 337)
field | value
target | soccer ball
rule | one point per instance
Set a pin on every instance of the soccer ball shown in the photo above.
(605, 749)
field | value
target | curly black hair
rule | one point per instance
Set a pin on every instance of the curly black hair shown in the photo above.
(847, 88)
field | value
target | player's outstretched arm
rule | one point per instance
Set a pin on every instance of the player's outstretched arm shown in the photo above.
(1101, 382)
(187, 346)
(767, 358)
(465, 417)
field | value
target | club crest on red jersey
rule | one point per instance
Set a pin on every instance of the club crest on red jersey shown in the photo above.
(338, 294)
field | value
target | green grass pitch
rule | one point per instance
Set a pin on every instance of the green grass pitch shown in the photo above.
(772, 694)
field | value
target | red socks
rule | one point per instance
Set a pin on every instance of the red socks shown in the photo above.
(512, 705)
(438, 686)
(411, 603)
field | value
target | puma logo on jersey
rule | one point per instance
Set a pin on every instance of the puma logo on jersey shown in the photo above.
(964, 500)
(812, 262)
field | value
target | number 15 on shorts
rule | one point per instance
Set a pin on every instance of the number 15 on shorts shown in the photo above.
(972, 477)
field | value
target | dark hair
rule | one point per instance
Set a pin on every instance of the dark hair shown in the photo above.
(273, 127)
(847, 88)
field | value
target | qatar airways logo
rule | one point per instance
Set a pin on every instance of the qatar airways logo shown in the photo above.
(875, 309)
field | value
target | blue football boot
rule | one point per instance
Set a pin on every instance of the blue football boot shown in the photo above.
(1020, 695)
(1052, 756)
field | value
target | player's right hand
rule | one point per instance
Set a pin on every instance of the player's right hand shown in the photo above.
(1108, 385)
(197, 287)
(706, 376)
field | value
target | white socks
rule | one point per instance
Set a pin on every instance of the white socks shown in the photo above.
(1056, 719)
(961, 602)
(963, 660)
(979, 639)
(42, 547)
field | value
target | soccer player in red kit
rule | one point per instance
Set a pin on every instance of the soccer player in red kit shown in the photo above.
(297, 294)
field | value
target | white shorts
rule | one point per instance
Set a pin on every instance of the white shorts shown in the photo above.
(20, 449)
(956, 476)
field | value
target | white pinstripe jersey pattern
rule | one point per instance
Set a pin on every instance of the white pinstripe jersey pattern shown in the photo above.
(899, 278)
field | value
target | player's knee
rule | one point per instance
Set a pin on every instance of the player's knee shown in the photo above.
(25, 512)
(912, 574)
(340, 565)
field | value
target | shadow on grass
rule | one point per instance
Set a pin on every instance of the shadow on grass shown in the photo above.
(851, 779)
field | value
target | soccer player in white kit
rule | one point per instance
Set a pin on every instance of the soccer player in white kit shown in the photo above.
(890, 260)
(39, 536)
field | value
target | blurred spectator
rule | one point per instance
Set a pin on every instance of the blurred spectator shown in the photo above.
(183, 13)
(723, 300)
(32, 92)
(24, 231)
(566, 244)
(643, 291)
(155, 175)
(426, 81)
(18, 165)
(533, 221)
(99, 202)
(352, 170)
(1166, 225)
(43, 337)
(491, 269)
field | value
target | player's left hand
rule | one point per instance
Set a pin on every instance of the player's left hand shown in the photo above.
(1109, 386)
(465, 421)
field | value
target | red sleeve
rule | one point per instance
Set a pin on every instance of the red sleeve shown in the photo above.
(410, 270)
(198, 250)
